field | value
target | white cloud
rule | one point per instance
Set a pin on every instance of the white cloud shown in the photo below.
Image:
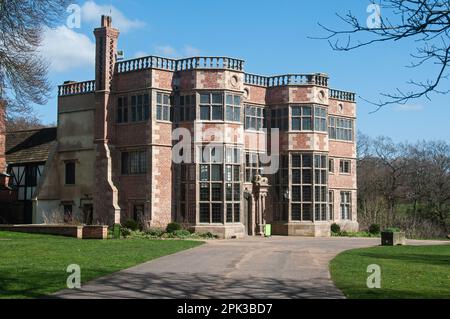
(91, 12)
(166, 50)
(139, 54)
(409, 107)
(190, 51)
(169, 51)
(66, 49)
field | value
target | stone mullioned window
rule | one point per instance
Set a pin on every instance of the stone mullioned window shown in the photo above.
(308, 118)
(134, 108)
(340, 129)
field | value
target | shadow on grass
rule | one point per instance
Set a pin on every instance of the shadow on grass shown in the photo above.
(194, 285)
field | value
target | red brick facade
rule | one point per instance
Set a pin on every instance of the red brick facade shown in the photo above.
(138, 104)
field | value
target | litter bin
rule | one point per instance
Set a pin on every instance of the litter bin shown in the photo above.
(267, 230)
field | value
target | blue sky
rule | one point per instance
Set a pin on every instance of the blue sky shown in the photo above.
(272, 37)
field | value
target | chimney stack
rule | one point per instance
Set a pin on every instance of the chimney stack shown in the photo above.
(2, 136)
(4, 177)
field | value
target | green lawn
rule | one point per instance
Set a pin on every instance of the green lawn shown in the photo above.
(34, 265)
(406, 271)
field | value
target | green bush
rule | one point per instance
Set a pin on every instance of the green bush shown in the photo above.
(335, 228)
(392, 230)
(131, 224)
(173, 227)
(154, 232)
(374, 229)
(208, 235)
(125, 231)
(181, 233)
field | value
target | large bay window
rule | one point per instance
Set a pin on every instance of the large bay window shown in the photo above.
(309, 174)
(220, 184)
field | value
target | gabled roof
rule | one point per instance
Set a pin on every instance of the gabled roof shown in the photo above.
(30, 146)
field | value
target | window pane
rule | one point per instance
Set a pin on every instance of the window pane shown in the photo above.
(204, 112)
(217, 113)
(307, 213)
(306, 110)
(204, 98)
(216, 172)
(296, 212)
(237, 114)
(307, 194)
(296, 193)
(306, 124)
(237, 191)
(296, 124)
(229, 113)
(204, 172)
(307, 160)
(229, 191)
(204, 191)
(204, 213)
(216, 192)
(216, 213)
(237, 213)
(296, 176)
(296, 160)
(217, 99)
(159, 112)
(296, 111)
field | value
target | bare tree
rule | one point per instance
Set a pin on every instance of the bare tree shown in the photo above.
(426, 22)
(20, 123)
(23, 72)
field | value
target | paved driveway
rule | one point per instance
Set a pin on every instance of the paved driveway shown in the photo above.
(277, 267)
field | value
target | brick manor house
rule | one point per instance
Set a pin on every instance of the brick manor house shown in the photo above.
(113, 155)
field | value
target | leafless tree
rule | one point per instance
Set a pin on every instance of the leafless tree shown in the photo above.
(23, 72)
(20, 123)
(426, 22)
(404, 185)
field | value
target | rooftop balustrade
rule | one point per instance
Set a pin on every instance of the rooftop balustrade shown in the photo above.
(193, 63)
(180, 64)
(72, 88)
(342, 95)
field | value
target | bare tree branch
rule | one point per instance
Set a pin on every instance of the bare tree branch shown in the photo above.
(426, 22)
(23, 72)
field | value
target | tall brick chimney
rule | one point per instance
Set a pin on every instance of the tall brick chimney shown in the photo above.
(3, 175)
(106, 207)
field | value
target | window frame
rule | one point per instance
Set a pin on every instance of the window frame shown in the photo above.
(163, 107)
(70, 180)
(341, 127)
(346, 205)
(342, 166)
(137, 158)
(251, 115)
(236, 108)
(211, 106)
